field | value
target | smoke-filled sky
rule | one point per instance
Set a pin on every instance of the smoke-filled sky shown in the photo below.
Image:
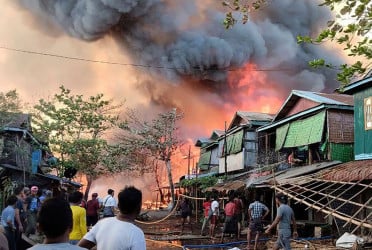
(171, 53)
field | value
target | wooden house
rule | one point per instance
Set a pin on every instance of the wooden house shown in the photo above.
(238, 147)
(313, 126)
(24, 160)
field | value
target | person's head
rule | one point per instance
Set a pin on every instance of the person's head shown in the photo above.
(110, 192)
(130, 200)
(12, 200)
(34, 190)
(257, 196)
(94, 196)
(18, 191)
(281, 198)
(55, 218)
(75, 197)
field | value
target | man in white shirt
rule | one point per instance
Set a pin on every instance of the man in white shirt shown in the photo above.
(109, 204)
(119, 232)
(215, 207)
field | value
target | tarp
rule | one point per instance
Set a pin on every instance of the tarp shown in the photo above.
(281, 134)
(306, 131)
(204, 160)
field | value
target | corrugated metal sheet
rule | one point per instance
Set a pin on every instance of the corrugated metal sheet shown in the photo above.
(363, 146)
(281, 134)
(350, 171)
(226, 187)
(204, 160)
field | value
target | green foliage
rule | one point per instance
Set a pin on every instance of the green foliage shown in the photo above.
(9, 104)
(202, 183)
(75, 129)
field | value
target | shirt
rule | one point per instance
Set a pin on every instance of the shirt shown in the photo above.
(215, 207)
(56, 246)
(257, 209)
(207, 207)
(285, 213)
(109, 201)
(230, 209)
(111, 233)
(79, 228)
(8, 215)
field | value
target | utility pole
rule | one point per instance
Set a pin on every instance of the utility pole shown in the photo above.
(188, 162)
(225, 151)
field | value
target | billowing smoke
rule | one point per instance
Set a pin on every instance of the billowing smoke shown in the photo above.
(185, 39)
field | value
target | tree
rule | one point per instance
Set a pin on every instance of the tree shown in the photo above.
(9, 105)
(75, 129)
(354, 37)
(143, 142)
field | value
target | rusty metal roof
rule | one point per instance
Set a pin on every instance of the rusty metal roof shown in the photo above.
(350, 171)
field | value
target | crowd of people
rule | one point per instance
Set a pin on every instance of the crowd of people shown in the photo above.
(69, 222)
(66, 222)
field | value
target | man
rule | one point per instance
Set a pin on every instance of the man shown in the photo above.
(238, 211)
(207, 213)
(79, 217)
(55, 222)
(31, 206)
(230, 225)
(284, 218)
(8, 221)
(92, 210)
(109, 204)
(215, 206)
(119, 232)
(257, 211)
(19, 216)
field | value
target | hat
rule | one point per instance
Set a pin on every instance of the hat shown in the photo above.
(34, 188)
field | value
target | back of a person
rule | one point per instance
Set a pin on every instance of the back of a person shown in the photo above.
(238, 205)
(92, 207)
(114, 234)
(79, 223)
(207, 207)
(286, 213)
(230, 209)
(257, 209)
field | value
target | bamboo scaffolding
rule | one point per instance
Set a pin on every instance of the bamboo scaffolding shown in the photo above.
(355, 222)
(359, 210)
(363, 221)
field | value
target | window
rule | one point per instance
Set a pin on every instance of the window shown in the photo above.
(368, 113)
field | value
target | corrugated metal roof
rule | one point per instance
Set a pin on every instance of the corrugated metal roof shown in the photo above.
(359, 85)
(252, 118)
(321, 98)
(350, 171)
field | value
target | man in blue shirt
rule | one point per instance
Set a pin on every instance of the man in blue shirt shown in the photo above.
(284, 218)
(7, 221)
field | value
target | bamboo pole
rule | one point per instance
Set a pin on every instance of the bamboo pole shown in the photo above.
(355, 222)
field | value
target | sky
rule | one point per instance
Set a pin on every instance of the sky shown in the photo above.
(168, 54)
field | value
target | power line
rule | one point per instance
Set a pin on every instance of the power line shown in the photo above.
(124, 64)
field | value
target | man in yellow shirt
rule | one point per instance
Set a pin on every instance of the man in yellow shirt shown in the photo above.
(79, 228)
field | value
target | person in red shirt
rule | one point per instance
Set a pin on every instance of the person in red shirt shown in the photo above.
(238, 211)
(207, 213)
(230, 225)
(92, 210)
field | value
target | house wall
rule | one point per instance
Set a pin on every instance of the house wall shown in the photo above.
(301, 105)
(234, 162)
(340, 126)
(15, 151)
(250, 148)
(363, 142)
(214, 157)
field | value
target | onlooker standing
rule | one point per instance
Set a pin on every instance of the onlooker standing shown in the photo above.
(109, 204)
(32, 206)
(230, 226)
(19, 216)
(284, 217)
(79, 217)
(238, 211)
(119, 232)
(207, 213)
(8, 221)
(92, 210)
(215, 206)
(186, 211)
(257, 211)
(55, 222)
